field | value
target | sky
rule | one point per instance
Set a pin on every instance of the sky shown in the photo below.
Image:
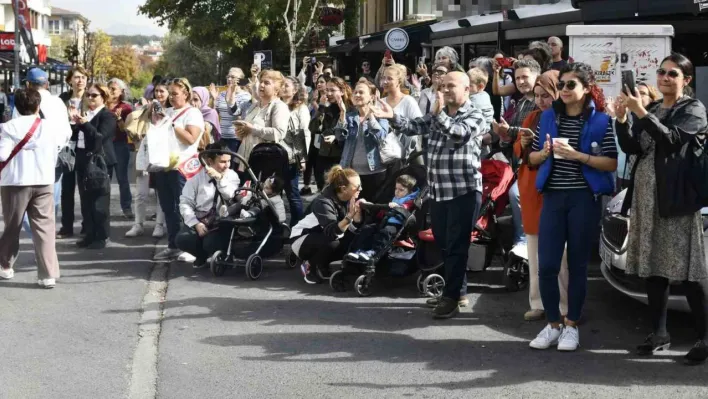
(115, 17)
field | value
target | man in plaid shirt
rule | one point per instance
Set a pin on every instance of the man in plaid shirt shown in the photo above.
(454, 128)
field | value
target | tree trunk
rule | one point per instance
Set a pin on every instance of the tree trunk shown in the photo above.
(293, 59)
(351, 18)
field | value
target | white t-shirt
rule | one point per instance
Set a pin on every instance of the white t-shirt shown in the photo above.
(193, 117)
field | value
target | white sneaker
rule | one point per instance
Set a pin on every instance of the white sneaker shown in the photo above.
(159, 231)
(546, 338)
(6, 274)
(47, 283)
(168, 254)
(186, 257)
(136, 230)
(569, 339)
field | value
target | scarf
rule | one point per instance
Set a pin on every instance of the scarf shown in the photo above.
(210, 115)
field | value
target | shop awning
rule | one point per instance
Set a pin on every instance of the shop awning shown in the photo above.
(476, 20)
(342, 48)
(442, 26)
(527, 12)
(374, 43)
(375, 46)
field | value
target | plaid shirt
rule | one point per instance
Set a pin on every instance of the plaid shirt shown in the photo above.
(454, 147)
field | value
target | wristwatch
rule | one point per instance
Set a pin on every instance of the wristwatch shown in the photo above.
(350, 220)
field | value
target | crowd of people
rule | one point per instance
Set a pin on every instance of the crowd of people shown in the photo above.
(541, 114)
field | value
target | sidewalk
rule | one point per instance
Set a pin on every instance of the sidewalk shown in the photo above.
(77, 340)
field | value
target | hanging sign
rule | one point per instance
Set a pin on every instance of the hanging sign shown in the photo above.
(396, 40)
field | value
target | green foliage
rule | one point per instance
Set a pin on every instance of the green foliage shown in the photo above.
(129, 40)
(351, 18)
(181, 58)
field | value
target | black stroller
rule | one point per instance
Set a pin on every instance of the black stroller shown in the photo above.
(398, 257)
(262, 235)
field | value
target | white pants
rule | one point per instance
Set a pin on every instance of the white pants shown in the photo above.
(534, 290)
(142, 181)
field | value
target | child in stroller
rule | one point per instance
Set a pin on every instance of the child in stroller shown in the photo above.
(375, 237)
(250, 206)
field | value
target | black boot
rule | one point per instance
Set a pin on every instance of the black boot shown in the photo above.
(697, 355)
(652, 344)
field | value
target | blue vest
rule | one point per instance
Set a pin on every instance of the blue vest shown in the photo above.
(594, 130)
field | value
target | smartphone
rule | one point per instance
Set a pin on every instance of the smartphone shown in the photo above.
(388, 55)
(629, 80)
(257, 60)
(421, 61)
(313, 60)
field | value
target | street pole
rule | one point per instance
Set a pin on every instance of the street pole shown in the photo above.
(16, 81)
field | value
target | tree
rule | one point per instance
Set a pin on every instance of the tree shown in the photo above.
(295, 35)
(62, 46)
(124, 63)
(97, 53)
(351, 18)
(181, 58)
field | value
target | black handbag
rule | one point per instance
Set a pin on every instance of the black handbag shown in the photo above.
(96, 179)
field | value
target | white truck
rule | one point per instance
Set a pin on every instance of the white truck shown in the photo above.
(610, 49)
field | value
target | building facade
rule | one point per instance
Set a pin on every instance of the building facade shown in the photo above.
(67, 27)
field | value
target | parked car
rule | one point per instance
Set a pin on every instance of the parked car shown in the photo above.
(613, 252)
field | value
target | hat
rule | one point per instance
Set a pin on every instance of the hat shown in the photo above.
(36, 76)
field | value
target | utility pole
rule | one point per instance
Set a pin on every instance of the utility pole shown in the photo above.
(16, 81)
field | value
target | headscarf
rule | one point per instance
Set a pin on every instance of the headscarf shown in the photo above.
(209, 114)
(549, 82)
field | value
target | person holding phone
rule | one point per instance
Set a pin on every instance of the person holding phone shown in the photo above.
(231, 105)
(337, 103)
(531, 201)
(665, 242)
(572, 176)
(267, 120)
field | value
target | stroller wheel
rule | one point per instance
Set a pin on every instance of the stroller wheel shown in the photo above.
(420, 285)
(362, 286)
(338, 281)
(292, 260)
(433, 285)
(516, 274)
(254, 266)
(216, 265)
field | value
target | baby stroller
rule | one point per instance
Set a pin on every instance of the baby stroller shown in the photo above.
(262, 235)
(397, 257)
(492, 234)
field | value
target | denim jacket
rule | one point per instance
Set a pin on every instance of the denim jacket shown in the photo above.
(375, 132)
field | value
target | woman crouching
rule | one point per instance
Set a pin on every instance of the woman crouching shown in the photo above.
(201, 202)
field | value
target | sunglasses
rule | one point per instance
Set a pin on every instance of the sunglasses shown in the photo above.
(672, 73)
(92, 95)
(571, 85)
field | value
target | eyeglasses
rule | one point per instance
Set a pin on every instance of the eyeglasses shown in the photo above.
(672, 73)
(92, 95)
(439, 72)
(571, 85)
(357, 188)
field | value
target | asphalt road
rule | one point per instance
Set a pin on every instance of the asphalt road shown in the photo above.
(229, 337)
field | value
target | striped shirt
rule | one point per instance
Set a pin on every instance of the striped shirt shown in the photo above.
(454, 149)
(567, 174)
(227, 115)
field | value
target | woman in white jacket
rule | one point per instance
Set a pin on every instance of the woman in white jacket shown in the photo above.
(28, 152)
(200, 204)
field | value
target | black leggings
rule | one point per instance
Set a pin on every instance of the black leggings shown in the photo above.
(696, 294)
(312, 154)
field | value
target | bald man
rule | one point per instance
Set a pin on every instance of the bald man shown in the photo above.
(557, 51)
(454, 128)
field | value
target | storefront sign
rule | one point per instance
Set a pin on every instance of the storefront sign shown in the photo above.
(264, 58)
(396, 40)
(7, 41)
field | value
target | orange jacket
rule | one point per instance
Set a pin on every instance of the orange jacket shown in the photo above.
(529, 197)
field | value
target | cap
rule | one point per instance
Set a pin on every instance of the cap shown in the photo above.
(36, 76)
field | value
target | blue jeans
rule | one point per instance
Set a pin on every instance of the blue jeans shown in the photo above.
(453, 221)
(57, 203)
(169, 187)
(292, 191)
(121, 170)
(568, 217)
(519, 236)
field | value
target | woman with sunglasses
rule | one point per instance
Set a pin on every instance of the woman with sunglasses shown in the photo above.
(94, 133)
(427, 95)
(338, 216)
(665, 241)
(188, 125)
(576, 153)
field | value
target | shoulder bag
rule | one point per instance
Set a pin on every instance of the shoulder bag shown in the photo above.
(294, 143)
